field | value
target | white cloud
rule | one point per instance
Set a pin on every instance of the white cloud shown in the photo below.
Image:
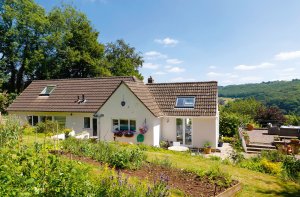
(181, 79)
(176, 69)
(287, 55)
(154, 55)
(213, 74)
(228, 75)
(159, 73)
(212, 67)
(254, 67)
(167, 41)
(150, 65)
(174, 61)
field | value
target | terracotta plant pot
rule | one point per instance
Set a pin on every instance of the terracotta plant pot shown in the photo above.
(207, 150)
(250, 127)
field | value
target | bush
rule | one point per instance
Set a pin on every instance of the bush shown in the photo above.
(292, 167)
(10, 131)
(228, 139)
(292, 120)
(229, 124)
(47, 127)
(219, 177)
(273, 155)
(5, 100)
(271, 167)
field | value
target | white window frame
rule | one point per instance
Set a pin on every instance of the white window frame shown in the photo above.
(192, 105)
(89, 123)
(43, 93)
(119, 123)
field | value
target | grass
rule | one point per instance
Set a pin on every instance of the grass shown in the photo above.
(254, 183)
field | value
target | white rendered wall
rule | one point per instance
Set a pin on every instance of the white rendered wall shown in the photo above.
(203, 129)
(134, 109)
(74, 121)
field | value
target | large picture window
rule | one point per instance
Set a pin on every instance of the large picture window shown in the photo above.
(123, 125)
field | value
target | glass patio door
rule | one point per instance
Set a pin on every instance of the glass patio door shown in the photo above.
(184, 131)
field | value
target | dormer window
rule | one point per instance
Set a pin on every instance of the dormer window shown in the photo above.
(185, 102)
(47, 90)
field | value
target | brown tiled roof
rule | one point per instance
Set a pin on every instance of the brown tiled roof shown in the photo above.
(141, 91)
(205, 93)
(158, 98)
(62, 99)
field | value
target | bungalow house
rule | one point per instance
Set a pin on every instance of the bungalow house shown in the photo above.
(109, 106)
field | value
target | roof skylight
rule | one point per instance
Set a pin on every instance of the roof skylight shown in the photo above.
(47, 90)
(185, 102)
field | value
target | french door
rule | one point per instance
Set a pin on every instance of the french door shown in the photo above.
(184, 131)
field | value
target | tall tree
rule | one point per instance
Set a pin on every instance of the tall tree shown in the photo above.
(22, 26)
(76, 50)
(123, 60)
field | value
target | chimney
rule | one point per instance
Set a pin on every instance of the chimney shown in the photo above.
(83, 98)
(150, 80)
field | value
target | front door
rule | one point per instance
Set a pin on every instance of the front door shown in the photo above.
(184, 131)
(94, 126)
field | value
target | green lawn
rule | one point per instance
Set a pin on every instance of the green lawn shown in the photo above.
(254, 183)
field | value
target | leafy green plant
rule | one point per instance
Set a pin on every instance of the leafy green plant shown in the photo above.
(10, 132)
(229, 123)
(291, 165)
(47, 127)
(166, 162)
(116, 155)
(207, 144)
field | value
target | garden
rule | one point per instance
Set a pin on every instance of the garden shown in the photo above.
(73, 167)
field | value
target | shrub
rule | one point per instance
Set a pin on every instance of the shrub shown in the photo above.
(273, 155)
(10, 131)
(272, 115)
(218, 177)
(271, 167)
(229, 124)
(292, 119)
(292, 167)
(228, 139)
(47, 127)
(236, 157)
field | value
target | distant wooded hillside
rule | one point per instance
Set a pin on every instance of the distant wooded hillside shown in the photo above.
(283, 94)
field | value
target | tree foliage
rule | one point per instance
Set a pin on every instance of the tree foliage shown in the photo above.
(122, 60)
(244, 107)
(272, 115)
(59, 44)
(283, 94)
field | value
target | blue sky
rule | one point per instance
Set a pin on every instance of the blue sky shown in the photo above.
(232, 41)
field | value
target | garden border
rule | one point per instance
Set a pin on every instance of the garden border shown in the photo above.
(232, 191)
